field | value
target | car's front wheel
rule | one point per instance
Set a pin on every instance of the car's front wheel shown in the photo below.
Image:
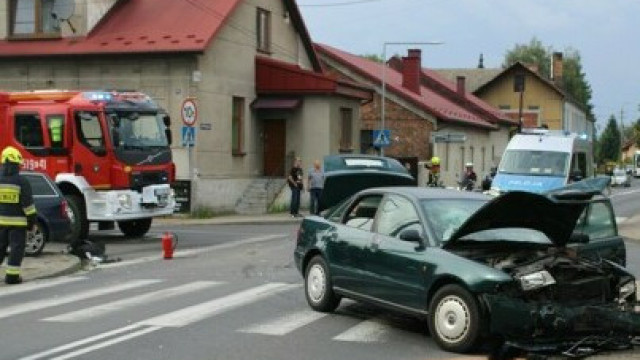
(36, 240)
(318, 287)
(454, 319)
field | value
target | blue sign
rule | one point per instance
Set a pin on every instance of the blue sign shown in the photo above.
(188, 136)
(381, 138)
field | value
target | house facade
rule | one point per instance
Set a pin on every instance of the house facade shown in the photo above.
(262, 96)
(544, 102)
(421, 109)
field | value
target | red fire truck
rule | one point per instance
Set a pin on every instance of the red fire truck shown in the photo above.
(108, 151)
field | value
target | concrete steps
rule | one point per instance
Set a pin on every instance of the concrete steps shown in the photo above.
(259, 195)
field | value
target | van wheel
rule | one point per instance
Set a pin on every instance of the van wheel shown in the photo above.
(78, 217)
(135, 228)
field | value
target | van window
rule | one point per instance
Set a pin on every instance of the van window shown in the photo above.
(579, 163)
(28, 130)
(527, 162)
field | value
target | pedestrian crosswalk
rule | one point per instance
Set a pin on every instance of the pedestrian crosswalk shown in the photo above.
(140, 293)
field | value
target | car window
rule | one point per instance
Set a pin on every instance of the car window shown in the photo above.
(397, 214)
(598, 221)
(445, 216)
(40, 186)
(363, 211)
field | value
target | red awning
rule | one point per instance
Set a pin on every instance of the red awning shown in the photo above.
(275, 103)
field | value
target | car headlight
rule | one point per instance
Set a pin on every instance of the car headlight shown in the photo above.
(536, 280)
(627, 289)
(125, 201)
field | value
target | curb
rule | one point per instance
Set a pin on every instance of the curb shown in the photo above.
(218, 221)
(72, 268)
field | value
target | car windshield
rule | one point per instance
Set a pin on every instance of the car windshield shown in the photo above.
(537, 163)
(445, 216)
(141, 130)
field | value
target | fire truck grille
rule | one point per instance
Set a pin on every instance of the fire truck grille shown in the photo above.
(142, 179)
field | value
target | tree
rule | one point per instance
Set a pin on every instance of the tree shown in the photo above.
(575, 83)
(374, 57)
(609, 142)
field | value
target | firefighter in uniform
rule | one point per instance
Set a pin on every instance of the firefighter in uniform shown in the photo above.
(17, 212)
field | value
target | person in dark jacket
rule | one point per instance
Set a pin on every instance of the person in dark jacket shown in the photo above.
(296, 186)
(17, 213)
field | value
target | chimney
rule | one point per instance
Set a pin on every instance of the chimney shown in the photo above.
(460, 82)
(411, 69)
(556, 68)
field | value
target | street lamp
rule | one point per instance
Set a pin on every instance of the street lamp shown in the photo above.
(384, 74)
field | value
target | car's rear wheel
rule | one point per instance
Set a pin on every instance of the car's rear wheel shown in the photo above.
(135, 228)
(454, 319)
(318, 287)
(36, 240)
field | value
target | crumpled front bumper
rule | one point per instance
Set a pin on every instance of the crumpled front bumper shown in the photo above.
(551, 325)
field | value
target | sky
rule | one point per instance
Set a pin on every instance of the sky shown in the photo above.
(605, 32)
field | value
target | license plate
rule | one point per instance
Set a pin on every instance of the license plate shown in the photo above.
(162, 192)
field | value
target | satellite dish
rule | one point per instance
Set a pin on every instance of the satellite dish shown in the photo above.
(63, 9)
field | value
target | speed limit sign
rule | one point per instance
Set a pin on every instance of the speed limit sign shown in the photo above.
(189, 112)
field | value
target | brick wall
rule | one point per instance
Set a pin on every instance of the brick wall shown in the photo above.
(410, 133)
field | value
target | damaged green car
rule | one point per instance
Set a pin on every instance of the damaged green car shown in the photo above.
(530, 269)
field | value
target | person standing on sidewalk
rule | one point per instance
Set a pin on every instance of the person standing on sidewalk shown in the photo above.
(315, 184)
(17, 212)
(295, 184)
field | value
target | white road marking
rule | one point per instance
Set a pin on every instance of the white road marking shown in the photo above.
(37, 285)
(177, 318)
(366, 331)
(103, 309)
(207, 309)
(192, 252)
(285, 324)
(107, 343)
(78, 343)
(55, 301)
(623, 193)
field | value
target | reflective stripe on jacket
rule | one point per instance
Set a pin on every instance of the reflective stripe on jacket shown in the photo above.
(16, 201)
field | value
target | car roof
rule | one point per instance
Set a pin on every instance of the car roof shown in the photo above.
(421, 193)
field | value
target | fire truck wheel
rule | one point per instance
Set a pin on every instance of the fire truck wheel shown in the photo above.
(78, 217)
(135, 228)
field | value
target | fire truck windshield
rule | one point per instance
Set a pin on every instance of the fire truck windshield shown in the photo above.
(139, 131)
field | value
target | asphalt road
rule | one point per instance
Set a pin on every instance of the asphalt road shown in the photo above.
(232, 292)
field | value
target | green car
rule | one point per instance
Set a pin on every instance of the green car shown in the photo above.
(522, 267)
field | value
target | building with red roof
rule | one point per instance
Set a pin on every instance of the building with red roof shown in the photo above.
(426, 114)
(261, 93)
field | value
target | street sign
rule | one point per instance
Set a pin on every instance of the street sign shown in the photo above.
(381, 138)
(448, 137)
(189, 112)
(188, 136)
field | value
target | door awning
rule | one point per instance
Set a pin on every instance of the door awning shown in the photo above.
(262, 103)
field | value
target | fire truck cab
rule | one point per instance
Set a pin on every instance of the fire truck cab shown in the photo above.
(108, 151)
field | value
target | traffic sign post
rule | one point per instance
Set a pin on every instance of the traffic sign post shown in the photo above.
(381, 138)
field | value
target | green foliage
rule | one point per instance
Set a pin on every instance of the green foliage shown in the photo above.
(574, 79)
(533, 53)
(374, 57)
(609, 142)
(202, 212)
(276, 208)
(635, 135)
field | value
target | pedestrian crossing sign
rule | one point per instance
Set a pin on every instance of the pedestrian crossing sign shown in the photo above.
(188, 136)
(382, 138)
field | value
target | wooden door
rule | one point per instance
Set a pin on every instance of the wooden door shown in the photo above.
(275, 141)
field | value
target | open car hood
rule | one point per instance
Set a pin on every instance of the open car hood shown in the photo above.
(345, 175)
(554, 214)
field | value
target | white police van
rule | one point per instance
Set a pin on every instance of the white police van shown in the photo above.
(539, 160)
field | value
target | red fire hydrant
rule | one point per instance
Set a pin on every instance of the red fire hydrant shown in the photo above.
(169, 243)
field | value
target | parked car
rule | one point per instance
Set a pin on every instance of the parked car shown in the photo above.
(53, 222)
(620, 177)
(517, 267)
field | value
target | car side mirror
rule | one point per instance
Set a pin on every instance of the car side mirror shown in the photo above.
(168, 134)
(579, 238)
(411, 235)
(166, 120)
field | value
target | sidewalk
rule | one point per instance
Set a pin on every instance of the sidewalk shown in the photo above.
(279, 218)
(52, 262)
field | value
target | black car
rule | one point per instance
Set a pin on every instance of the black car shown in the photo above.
(53, 213)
